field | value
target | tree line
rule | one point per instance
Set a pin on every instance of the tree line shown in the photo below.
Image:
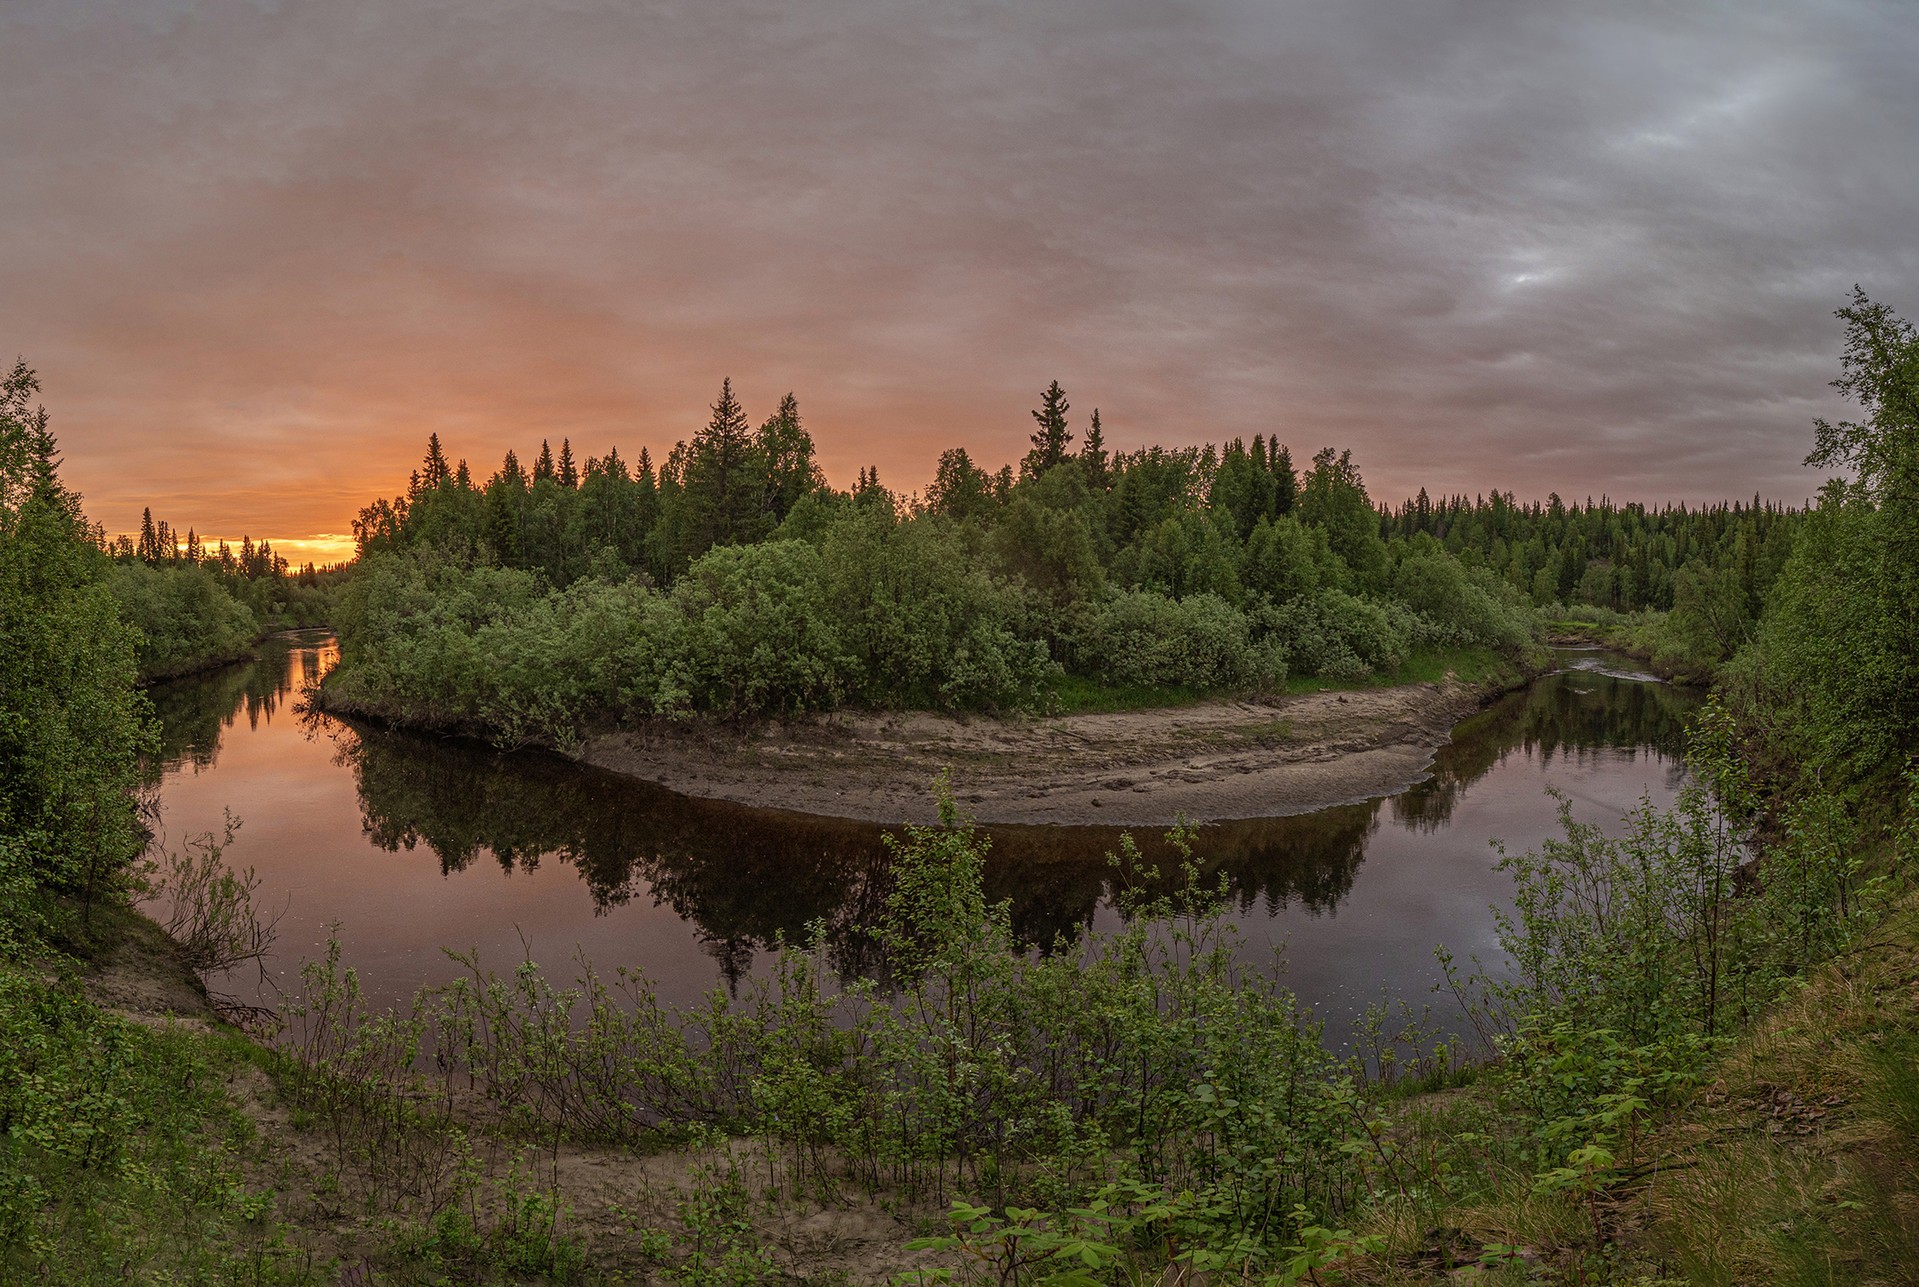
(732, 579)
(197, 606)
(1697, 577)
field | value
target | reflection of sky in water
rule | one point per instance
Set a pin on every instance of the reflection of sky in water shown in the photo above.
(412, 844)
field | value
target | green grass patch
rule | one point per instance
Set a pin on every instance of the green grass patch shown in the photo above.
(1471, 665)
(1077, 695)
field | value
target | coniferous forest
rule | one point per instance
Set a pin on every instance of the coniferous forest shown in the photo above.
(1698, 1068)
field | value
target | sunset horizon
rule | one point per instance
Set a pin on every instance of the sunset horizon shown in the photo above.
(260, 253)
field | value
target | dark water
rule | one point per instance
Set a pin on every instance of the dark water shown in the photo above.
(412, 844)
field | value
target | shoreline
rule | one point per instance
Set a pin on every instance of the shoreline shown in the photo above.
(1210, 762)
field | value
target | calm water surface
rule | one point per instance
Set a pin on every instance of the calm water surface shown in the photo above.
(411, 844)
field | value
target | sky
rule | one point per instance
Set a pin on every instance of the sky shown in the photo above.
(258, 250)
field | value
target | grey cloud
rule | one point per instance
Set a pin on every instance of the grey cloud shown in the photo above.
(1547, 246)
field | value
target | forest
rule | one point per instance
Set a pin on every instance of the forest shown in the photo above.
(196, 608)
(1132, 1106)
(732, 581)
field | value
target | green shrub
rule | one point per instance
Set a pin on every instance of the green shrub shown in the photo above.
(185, 616)
(1201, 641)
(1341, 636)
(1459, 606)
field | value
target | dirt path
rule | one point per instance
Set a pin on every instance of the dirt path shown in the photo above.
(1217, 760)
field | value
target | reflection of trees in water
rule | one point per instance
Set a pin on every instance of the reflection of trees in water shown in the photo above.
(746, 877)
(1575, 715)
(1056, 877)
(195, 710)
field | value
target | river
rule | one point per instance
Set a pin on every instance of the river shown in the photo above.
(406, 845)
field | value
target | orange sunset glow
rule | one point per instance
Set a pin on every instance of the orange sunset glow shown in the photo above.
(258, 252)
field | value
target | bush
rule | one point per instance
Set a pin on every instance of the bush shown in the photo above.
(185, 616)
(1340, 636)
(759, 637)
(409, 628)
(920, 626)
(1460, 606)
(1201, 641)
(748, 631)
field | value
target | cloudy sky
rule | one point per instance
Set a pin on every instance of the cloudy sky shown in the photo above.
(258, 250)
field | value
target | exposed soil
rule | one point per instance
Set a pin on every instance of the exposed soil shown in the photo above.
(1205, 763)
(139, 973)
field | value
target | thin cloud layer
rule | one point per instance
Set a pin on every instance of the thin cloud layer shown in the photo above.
(259, 250)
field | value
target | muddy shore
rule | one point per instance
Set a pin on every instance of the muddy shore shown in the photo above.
(1205, 763)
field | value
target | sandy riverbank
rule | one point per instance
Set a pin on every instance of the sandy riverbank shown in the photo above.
(1208, 762)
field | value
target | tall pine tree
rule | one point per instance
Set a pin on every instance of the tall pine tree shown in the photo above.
(723, 488)
(1092, 454)
(1051, 439)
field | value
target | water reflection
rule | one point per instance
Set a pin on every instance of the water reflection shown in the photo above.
(735, 879)
(193, 712)
(747, 876)
(1578, 714)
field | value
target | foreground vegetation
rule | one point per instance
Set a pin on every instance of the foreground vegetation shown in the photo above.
(1697, 1070)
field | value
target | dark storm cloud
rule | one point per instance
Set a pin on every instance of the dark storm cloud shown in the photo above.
(258, 249)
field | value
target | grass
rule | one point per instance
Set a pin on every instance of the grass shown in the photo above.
(1800, 1165)
(125, 1157)
(1077, 695)
(1470, 665)
(1795, 1162)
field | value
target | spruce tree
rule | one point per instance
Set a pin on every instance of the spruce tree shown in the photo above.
(1285, 481)
(1051, 438)
(722, 495)
(433, 470)
(543, 463)
(569, 473)
(1092, 454)
(149, 550)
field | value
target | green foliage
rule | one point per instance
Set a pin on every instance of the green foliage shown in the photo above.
(121, 1158)
(1190, 569)
(1201, 642)
(878, 613)
(185, 616)
(1342, 636)
(1333, 498)
(1648, 933)
(1833, 668)
(719, 1245)
(71, 724)
(1460, 606)
(980, 1068)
